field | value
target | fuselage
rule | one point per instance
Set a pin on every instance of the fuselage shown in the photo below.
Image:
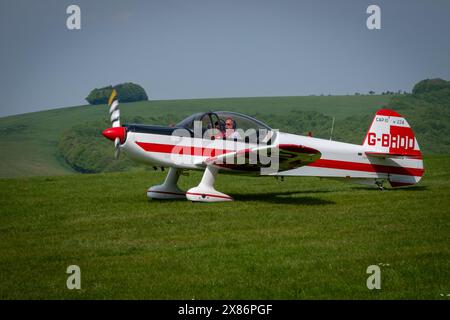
(161, 146)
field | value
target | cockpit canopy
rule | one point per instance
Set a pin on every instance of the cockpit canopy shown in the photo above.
(223, 124)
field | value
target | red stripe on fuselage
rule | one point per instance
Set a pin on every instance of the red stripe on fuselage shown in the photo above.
(367, 167)
(182, 150)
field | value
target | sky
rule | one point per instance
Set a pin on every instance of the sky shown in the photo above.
(183, 49)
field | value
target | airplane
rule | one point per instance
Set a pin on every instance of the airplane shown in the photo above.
(215, 141)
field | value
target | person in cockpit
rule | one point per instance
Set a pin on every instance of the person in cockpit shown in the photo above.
(230, 129)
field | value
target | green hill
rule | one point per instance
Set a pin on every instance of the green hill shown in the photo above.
(29, 145)
(429, 115)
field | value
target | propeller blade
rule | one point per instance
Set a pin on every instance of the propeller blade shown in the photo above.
(117, 148)
(114, 111)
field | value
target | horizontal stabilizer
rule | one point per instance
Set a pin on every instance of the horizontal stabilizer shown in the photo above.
(391, 155)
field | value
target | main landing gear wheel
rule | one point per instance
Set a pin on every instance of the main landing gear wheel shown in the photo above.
(205, 191)
(169, 189)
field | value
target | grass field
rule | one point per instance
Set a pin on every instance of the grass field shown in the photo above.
(29, 141)
(298, 239)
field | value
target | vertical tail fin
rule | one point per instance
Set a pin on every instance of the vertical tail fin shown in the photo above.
(391, 134)
(391, 138)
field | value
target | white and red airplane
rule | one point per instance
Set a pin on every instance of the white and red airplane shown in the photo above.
(231, 142)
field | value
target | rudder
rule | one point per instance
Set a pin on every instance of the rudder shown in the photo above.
(391, 134)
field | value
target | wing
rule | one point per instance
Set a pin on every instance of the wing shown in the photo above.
(289, 156)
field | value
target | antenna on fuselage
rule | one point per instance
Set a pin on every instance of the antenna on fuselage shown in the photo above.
(332, 127)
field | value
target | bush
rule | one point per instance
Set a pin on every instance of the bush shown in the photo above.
(130, 92)
(99, 96)
(428, 85)
(127, 92)
(84, 148)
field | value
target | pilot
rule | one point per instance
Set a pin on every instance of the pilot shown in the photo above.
(230, 129)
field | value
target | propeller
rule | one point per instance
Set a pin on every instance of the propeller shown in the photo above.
(116, 132)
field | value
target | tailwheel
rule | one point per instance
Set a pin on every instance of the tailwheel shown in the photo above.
(379, 184)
